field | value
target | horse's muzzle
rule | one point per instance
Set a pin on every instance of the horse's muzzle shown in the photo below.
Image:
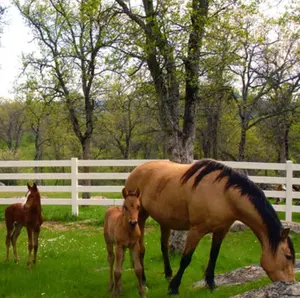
(133, 223)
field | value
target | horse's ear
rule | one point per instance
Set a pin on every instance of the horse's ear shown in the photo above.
(28, 186)
(284, 233)
(137, 192)
(34, 186)
(124, 193)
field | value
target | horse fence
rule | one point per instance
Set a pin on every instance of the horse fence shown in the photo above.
(71, 177)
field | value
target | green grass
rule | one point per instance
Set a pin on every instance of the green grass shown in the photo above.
(72, 263)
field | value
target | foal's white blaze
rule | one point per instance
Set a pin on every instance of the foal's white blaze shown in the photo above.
(26, 197)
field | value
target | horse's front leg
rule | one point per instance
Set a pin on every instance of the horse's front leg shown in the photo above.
(138, 269)
(164, 245)
(118, 271)
(193, 238)
(111, 260)
(217, 240)
(14, 238)
(36, 234)
(30, 245)
(143, 215)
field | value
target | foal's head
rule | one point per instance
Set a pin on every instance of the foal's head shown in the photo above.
(279, 266)
(32, 197)
(131, 205)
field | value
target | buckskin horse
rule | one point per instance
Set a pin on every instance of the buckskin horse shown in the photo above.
(29, 215)
(121, 230)
(207, 197)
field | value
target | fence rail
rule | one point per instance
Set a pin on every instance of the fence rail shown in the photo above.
(284, 174)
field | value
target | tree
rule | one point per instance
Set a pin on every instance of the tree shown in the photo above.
(157, 47)
(70, 36)
(12, 124)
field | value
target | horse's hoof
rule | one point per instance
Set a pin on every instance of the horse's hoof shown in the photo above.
(173, 291)
(168, 277)
(211, 286)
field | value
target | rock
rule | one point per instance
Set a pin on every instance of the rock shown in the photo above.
(241, 275)
(235, 277)
(277, 289)
(238, 226)
(177, 241)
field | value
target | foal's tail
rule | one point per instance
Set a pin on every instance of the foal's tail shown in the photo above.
(9, 217)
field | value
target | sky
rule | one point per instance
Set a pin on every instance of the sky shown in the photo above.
(16, 38)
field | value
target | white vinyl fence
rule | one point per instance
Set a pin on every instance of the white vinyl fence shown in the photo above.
(23, 171)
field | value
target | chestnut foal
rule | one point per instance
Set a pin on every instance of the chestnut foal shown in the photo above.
(122, 230)
(29, 215)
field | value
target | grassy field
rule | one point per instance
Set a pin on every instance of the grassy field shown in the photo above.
(72, 260)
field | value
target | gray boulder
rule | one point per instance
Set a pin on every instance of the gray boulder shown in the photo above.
(277, 289)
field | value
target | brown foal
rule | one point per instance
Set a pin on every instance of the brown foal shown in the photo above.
(121, 230)
(29, 215)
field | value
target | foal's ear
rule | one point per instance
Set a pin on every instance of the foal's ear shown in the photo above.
(124, 193)
(34, 186)
(28, 186)
(284, 233)
(137, 192)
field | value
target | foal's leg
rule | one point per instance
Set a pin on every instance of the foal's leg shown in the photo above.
(9, 231)
(36, 234)
(217, 240)
(14, 238)
(118, 271)
(135, 255)
(164, 245)
(193, 238)
(30, 245)
(143, 215)
(111, 260)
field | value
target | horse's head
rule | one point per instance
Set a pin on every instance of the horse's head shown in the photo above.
(279, 266)
(32, 196)
(131, 205)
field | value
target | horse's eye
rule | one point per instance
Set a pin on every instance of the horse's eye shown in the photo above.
(288, 257)
(138, 207)
(125, 207)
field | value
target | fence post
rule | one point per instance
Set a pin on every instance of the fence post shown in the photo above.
(74, 185)
(289, 190)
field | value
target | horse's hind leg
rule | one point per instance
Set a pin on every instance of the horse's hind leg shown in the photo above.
(193, 238)
(217, 240)
(143, 215)
(164, 245)
(14, 237)
(9, 232)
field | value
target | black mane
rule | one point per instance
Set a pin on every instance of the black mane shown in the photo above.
(246, 187)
